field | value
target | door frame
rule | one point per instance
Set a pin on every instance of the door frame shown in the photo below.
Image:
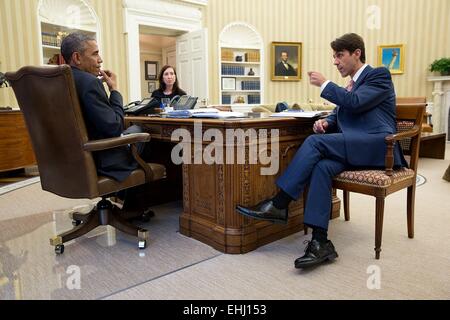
(150, 13)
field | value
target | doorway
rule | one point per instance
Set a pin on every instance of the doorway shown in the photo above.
(179, 20)
(157, 49)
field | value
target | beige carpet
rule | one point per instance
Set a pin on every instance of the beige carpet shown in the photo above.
(416, 268)
(177, 267)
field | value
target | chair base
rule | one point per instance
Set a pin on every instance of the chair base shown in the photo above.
(104, 213)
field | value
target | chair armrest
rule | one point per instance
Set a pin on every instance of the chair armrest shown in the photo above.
(414, 131)
(103, 144)
(390, 142)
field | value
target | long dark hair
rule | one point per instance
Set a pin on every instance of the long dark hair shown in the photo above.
(162, 86)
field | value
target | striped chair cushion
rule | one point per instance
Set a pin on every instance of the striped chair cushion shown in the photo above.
(376, 178)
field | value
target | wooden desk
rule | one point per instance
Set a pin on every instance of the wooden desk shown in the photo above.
(15, 146)
(211, 192)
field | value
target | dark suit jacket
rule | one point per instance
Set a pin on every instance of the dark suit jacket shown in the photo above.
(104, 119)
(365, 116)
(280, 70)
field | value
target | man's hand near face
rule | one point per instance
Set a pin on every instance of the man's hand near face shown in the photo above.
(110, 78)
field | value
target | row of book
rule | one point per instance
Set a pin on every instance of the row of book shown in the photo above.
(251, 56)
(50, 39)
(233, 70)
(227, 55)
(254, 99)
(251, 85)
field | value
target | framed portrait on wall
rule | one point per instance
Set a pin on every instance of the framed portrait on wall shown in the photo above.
(151, 70)
(151, 86)
(392, 57)
(286, 61)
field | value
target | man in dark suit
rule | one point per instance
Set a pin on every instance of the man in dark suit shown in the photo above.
(355, 133)
(103, 115)
(283, 68)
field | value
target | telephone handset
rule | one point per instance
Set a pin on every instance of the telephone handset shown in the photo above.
(183, 103)
(145, 106)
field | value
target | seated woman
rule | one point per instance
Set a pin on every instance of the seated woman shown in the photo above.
(168, 84)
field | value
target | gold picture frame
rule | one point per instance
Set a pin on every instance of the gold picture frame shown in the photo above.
(392, 57)
(286, 61)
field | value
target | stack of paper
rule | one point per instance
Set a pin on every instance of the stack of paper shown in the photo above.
(219, 115)
(299, 114)
(204, 113)
(189, 112)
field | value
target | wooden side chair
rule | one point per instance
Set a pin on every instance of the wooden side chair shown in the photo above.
(381, 183)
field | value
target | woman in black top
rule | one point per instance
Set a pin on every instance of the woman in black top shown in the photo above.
(168, 84)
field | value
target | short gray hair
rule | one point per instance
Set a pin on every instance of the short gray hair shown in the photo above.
(74, 42)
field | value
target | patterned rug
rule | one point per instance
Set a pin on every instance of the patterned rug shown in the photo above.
(420, 180)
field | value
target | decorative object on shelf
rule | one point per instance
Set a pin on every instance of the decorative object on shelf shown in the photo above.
(151, 86)
(239, 59)
(286, 62)
(3, 81)
(239, 99)
(60, 37)
(442, 66)
(57, 59)
(392, 57)
(151, 70)
(251, 72)
(228, 83)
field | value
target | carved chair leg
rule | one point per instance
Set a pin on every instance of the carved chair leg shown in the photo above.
(378, 225)
(121, 224)
(410, 210)
(90, 223)
(346, 205)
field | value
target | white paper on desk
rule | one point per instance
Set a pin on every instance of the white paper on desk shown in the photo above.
(203, 110)
(219, 115)
(299, 114)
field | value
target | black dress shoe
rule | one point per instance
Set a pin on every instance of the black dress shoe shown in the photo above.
(265, 210)
(316, 253)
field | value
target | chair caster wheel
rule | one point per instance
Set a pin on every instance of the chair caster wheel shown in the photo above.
(76, 223)
(142, 244)
(59, 249)
(145, 217)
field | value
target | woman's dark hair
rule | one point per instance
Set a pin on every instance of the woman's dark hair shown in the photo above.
(162, 86)
(350, 42)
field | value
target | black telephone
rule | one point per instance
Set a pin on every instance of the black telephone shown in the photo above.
(145, 106)
(183, 102)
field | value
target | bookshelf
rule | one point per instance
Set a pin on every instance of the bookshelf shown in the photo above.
(58, 19)
(241, 72)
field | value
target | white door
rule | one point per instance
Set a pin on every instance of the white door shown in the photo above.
(192, 64)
